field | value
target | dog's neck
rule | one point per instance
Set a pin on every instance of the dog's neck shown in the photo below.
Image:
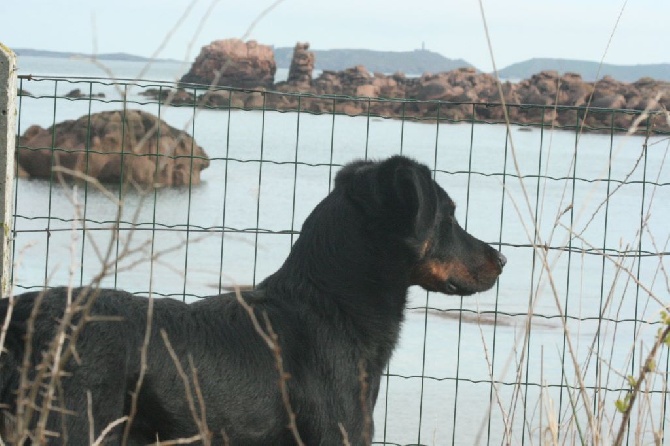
(366, 288)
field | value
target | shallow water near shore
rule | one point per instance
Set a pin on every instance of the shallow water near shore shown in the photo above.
(438, 390)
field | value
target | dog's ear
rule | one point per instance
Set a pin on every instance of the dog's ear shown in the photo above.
(408, 195)
(398, 192)
(349, 173)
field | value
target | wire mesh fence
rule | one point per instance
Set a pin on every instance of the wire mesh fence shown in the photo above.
(576, 198)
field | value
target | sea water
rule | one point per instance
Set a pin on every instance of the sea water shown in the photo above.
(513, 189)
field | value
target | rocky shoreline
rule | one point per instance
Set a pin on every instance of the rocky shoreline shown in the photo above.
(547, 98)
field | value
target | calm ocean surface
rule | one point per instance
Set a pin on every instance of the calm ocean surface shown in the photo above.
(457, 356)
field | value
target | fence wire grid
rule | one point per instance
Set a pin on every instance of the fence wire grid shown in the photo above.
(580, 210)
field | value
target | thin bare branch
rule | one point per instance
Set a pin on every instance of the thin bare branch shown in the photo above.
(271, 340)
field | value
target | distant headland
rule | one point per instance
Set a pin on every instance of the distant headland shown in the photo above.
(69, 55)
(417, 62)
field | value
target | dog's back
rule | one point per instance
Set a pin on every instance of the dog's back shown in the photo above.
(108, 348)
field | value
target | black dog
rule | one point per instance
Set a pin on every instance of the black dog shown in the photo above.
(328, 320)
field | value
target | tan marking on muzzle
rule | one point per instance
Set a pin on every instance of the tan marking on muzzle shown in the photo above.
(432, 274)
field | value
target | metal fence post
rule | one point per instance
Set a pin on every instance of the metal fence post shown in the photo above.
(8, 112)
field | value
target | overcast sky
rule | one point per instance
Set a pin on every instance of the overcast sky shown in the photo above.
(520, 29)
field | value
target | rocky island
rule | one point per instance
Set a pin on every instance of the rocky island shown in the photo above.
(555, 100)
(132, 145)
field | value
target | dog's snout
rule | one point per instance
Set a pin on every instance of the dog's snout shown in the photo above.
(502, 260)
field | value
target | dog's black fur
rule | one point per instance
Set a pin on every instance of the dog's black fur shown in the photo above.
(336, 306)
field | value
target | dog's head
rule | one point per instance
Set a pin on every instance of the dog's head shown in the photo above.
(401, 199)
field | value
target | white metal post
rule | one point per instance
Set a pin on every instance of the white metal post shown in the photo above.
(8, 112)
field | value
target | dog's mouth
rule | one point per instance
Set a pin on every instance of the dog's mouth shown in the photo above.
(454, 288)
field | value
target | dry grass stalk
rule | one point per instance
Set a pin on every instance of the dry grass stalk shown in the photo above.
(199, 418)
(272, 341)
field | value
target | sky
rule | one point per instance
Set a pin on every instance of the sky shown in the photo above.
(622, 32)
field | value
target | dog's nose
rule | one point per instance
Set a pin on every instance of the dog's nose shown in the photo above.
(502, 260)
